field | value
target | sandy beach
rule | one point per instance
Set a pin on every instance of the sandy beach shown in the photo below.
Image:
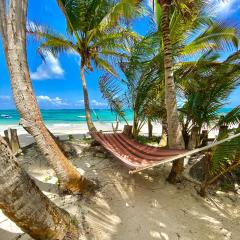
(142, 206)
(131, 118)
(63, 130)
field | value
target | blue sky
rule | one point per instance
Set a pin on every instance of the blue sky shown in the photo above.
(57, 82)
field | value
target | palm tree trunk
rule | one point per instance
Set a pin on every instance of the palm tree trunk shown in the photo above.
(90, 124)
(164, 139)
(23, 202)
(175, 138)
(150, 129)
(14, 41)
(135, 124)
(223, 132)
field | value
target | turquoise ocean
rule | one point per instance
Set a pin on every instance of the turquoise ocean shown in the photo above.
(71, 116)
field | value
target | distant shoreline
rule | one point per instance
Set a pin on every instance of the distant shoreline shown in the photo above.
(68, 122)
(78, 130)
(68, 116)
(72, 116)
(64, 122)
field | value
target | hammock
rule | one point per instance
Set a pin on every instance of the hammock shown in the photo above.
(138, 157)
(131, 153)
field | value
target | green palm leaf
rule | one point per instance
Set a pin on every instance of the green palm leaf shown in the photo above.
(225, 158)
(232, 118)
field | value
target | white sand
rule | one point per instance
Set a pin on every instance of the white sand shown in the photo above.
(127, 207)
(64, 129)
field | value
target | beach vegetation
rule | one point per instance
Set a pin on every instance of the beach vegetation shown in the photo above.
(143, 87)
(223, 159)
(205, 90)
(187, 13)
(93, 34)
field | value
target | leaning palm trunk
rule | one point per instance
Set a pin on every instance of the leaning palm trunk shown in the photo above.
(90, 124)
(14, 40)
(175, 138)
(23, 202)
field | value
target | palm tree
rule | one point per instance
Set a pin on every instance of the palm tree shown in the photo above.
(90, 34)
(205, 86)
(23, 202)
(188, 11)
(13, 29)
(135, 90)
(175, 138)
(147, 65)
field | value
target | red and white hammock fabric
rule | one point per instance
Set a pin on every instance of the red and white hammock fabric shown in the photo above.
(134, 155)
(140, 157)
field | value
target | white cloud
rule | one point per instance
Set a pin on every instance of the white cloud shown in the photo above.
(44, 98)
(5, 98)
(96, 103)
(57, 101)
(79, 103)
(6, 102)
(50, 69)
(225, 6)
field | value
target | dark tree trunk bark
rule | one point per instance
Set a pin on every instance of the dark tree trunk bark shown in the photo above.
(135, 124)
(90, 124)
(194, 139)
(164, 138)
(23, 202)
(175, 138)
(150, 129)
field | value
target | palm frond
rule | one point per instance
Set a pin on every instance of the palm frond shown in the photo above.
(232, 118)
(205, 85)
(82, 15)
(120, 38)
(111, 91)
(103, 64)
(216, 36)
(225, 157)
(125, 9)
(50, 41)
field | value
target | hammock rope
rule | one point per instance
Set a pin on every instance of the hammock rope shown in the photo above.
(140, 157)
(189, 153)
